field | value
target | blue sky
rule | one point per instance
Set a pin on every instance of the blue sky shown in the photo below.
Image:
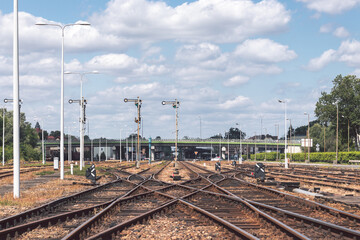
(226, 61)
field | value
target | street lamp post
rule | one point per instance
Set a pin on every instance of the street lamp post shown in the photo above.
(286, 160)
(3, 138)
(16, 106)
(175, 105)
(308, 135)
(277, 141)
(137, 102)
(62, 27)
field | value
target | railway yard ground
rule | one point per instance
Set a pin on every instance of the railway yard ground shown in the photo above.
(183, 200)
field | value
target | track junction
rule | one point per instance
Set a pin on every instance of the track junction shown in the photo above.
(204, 204)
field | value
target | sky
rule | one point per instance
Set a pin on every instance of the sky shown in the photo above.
(226, 61)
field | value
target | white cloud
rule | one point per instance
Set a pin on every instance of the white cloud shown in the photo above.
(326, 28)
(264, 50)
(202, 20)
(341, 32)
(199, 52)
(236, 102)
(236, 81)
(330, 6)
(318, 63)
(114, 63)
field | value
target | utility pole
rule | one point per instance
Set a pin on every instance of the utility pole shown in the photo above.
(277, 141)
(337, 131)
(285, 150)
(175, 104)
(137, 103)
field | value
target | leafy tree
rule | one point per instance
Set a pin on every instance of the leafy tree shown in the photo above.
(56, 134)
(86, 138)
(346, 95)
(234, 133)
(218, 136)
(158, 138)
(37, 125)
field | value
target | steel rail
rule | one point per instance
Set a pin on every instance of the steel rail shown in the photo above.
(114, 230)
(13, 220)
(273, 221)
(342, 231)
(19, 229)
(83, 228)
(309, 203)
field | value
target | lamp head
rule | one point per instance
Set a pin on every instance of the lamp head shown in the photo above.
(83, 23)
(71, 101)
(126, 100)
(163, 102)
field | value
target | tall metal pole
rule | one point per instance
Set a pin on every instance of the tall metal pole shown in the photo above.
(348, 135)
(62, 108)
(69, 148)
(127, 148)
(62, 93)
(290, 133)
(324, 137)
(309, 138)
(176, 131)
(285, 150)
(42, 144)
(240, 147)
(138, 158)
(16, 118)
(99, 149)
(91, 150)
(120, 148)
(200, 127)
(265, 142)
(132, 147)
(3, 139)
(175, 105)
(337, 132)
(277, 142)
(228, 147)
(220, 155)
(106, 150)
(255, 146)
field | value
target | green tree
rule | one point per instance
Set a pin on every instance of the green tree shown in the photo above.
(56, 134)
(346, 95)
(234, 133)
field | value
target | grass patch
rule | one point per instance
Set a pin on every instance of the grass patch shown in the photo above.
(77, 170)
(45, 173)
(6, 202)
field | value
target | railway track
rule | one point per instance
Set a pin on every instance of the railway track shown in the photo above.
(214, 205)
(83, 203)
